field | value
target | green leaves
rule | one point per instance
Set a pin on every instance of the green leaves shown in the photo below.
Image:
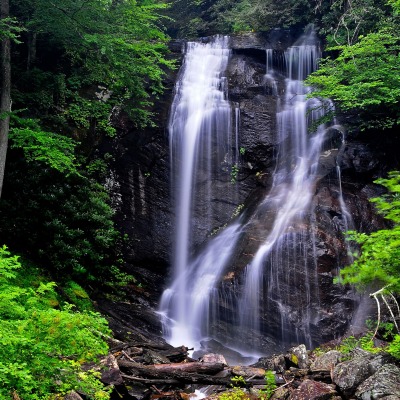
(378, 264)
(57, 151)
(42, 348)
(364, 78)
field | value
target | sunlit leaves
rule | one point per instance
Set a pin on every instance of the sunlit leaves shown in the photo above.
(365, 76)
(57, 151)
(42, 348)
(378, 264)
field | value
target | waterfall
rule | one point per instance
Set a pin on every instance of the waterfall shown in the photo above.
(204, 143)
(201, 144)
(288, 205)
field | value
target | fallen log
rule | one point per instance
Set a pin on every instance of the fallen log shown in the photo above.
(174, 374)
(180, 379)
(159, 369)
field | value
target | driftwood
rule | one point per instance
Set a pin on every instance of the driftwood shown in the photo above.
(180, 378)
(158, 369)
(173, 374)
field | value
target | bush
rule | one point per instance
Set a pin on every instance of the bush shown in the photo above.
(42, 347)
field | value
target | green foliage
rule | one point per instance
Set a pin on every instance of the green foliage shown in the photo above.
(117, 45)
(77, 296)
(363, 78)
(238, 381)
(378, 264)
(202, 18)
(43, 348)
(236, 393)
(63, 223)
(347, 345)
(343, 21)
(57, 151)
(9, 29)
(270, 385)
(394, 347)
(234, 173)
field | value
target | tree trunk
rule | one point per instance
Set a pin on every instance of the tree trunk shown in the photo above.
(5, 96)
(32, 38)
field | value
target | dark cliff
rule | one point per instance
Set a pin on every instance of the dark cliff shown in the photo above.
(140, 184)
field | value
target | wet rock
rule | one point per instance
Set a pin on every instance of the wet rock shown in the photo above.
(350, 374)
(299, 357)
(139, 183)
(152, 357)
(110, 372)
(275, 363)
(213, 346)
(326, 361)
(281, 393)
(295, 373)
(312, 390)
(72, 396)
(384, 384)
(213, 358)
(248, 372)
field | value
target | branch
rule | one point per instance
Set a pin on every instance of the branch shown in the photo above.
(391, 312)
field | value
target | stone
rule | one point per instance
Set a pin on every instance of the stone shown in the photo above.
(275, 363)
(326, 361)
(281, 393)
(298, 356)
(248, 372)
(313, 390)
(72, 396)
(350, 374)
(110, 373)
(213, 358)
(384, 384)
(152, 357)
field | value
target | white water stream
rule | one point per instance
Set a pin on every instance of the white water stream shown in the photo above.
(290, 196)
(201, 140)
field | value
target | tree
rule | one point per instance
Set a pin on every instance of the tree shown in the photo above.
(5, 95)
(363, 80)
(377, 266)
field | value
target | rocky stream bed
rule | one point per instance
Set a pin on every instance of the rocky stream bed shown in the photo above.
(142, 366)
(148, 370)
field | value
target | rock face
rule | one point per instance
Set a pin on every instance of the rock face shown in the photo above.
(140, 183)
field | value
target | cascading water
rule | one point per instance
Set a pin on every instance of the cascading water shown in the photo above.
(201, 142)
(289, 203)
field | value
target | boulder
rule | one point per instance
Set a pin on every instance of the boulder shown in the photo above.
(313, 390)
(275, 363)
(299, 357)
(350, 374)
(327, 361)
(384, 384)
(110, 372)
(213, 358)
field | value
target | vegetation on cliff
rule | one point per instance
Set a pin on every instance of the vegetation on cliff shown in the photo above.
(75, 65)
(362, 74)
(67, 69)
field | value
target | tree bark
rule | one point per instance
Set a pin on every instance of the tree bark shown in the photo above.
(32, 38)
(160, 369)
(5, 96)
